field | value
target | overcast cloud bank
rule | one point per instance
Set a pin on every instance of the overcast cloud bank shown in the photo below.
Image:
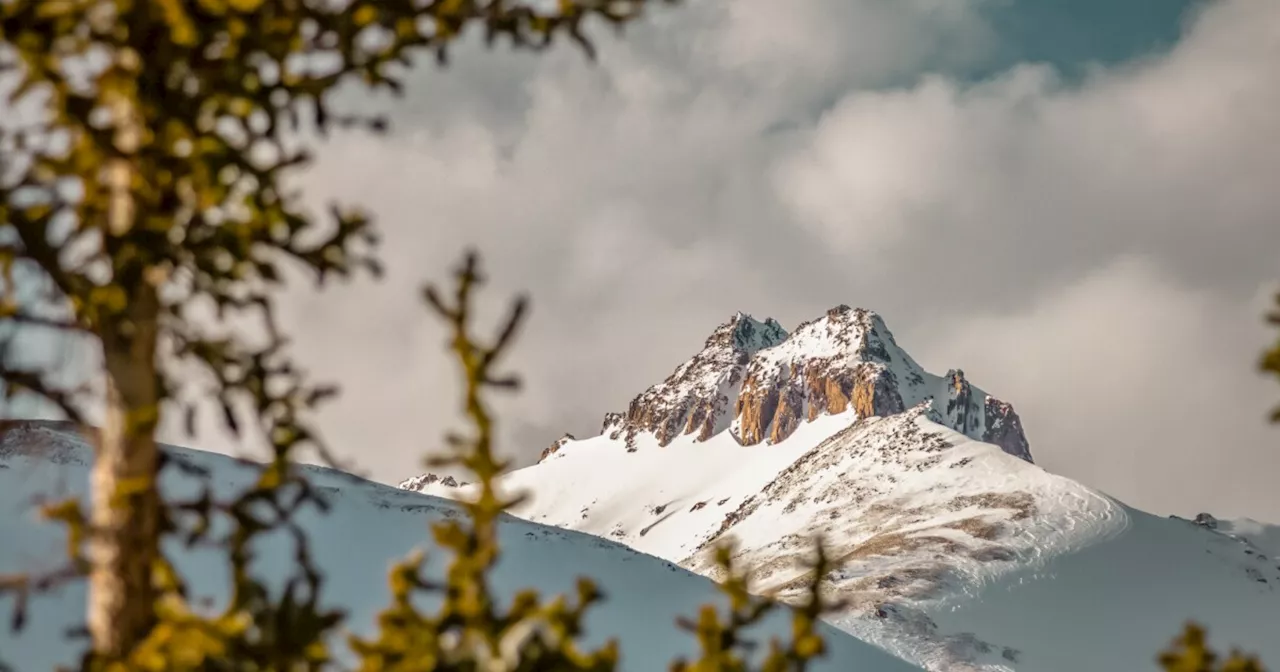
(1105, 241)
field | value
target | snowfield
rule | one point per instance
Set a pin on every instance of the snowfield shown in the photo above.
(369, 527)
(1112, 605)
(950, 551)
(953, 554)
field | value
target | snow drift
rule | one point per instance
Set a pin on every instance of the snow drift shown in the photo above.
(369, 527)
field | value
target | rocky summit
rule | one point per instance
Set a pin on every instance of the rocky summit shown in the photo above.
(760, 383)
(696, 398)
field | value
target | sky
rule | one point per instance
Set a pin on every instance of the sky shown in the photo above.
(1073, 202)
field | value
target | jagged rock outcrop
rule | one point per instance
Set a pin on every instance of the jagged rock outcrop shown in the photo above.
(959, 409)
(694, 399)
(875, 393)
(1004, 429)
(419, 483)
(826, 367)
(553, 448)
(612, 424)
(959, 412)
(754, 380)
(761, 384)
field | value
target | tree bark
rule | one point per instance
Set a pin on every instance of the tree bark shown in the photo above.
(124, 543)
(124, 536)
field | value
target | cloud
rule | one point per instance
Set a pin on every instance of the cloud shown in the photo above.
(1132, 382)
(727, 157)
(1030, 198)
(1040, 180)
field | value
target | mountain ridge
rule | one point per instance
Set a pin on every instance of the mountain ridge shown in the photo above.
(758, 382)
(950, 546)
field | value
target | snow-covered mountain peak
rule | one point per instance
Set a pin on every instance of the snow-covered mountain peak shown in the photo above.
(950, 552)
(842, 330)
(745, 333)
(420, 483)
(760, 383)
(949, 547)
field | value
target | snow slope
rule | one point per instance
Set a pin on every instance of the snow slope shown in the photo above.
(369, 527)
(1112, 605)
(1260, 538)
(954, 553)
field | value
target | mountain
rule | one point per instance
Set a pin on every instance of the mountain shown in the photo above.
(368, 527)
(760, 383)
(952, 548)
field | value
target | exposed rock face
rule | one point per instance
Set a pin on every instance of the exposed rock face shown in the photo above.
(754, 380)
(1004, 428)
(960, 411)
(875, 393)
(612, 424)
(420, 483)
(761, 384)
(553, 448)
(825, 367)
(981, 416)
(694, 399)
(772, 411)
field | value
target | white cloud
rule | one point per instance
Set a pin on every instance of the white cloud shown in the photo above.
(1130, 382)
(1171, 156)
(822, 45)
(701, 168)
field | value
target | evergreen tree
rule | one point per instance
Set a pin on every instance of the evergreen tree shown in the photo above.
(147, 187)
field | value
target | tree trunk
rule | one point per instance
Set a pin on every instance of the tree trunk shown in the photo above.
(124, 543)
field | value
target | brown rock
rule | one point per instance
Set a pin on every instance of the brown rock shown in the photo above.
(773, 407)
(696, 397)
(420, 483)
(612, 423)
(764, 383)
(555, 447)
(755, 411)
(790, 411)
(875, 393)
(707, 417)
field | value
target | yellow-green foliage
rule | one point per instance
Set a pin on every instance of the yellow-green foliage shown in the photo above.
(470, 631)
(1270, 363)
(1191, 653)
(147, 187)
(724, 648)
(143, 190)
